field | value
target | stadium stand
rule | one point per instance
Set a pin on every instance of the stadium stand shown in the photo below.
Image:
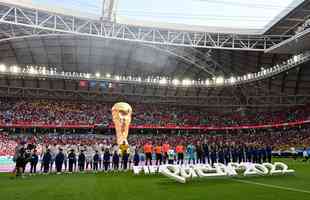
(52, 112)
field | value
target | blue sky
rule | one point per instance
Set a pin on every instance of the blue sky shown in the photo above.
(225, 13)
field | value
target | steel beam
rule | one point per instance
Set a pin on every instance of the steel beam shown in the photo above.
(37, 21)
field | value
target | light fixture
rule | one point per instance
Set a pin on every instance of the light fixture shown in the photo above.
(15, 69)
(87, 75)
(32, 70)
(219, 80)
(163, 81)
(108, 75)
(232, 80)
(186, 82)
(97, 75)
(175, 82)
(43, 70)
(2, 68)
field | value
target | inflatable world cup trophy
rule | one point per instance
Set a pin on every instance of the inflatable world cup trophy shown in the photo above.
(121, 115)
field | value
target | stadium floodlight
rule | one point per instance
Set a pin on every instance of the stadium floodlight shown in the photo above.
(32, 70)
(175, 82)
(87, 75)
(108, 75)
(43, 70)
(219, 80)
(163, 81)
(15, 69)
(2, 68)
(186, 82)
(265, 71)
(232, 80)
(97, 75)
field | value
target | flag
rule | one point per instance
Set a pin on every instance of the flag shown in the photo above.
(103, 84)
(83, 83)
(92, 84)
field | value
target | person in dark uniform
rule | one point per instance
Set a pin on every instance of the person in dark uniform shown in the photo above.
(20, 162)
(136, 158)
(125, 160)
(269, 153)
(59, 160)
(81, 161)
(240, 154)
(27, 156)
(96, 161)
(227, 155)
(248, 154)
(259, 155)
(206, 153)
(200, 153)
(100, 159)
(72, 160)
(264, 154)
(115, 160)
(221, 155)
(213, 155)
(234, 154)
(106, 159)
(33, 162)
(46, 160)
(255, 154)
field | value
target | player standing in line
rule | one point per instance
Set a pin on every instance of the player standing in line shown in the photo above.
(72, 160)
(171, 156)
(136, 158)
(158, 151)
(190, 151)
(89, 158)
(81, 161)
(96, 161)
(148, 153)
(59, 159)
(180, 153)
(115, 159)
(106, 159)
(165, 149)
(33, 162)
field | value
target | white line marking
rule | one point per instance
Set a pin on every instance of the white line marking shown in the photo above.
(273, 186)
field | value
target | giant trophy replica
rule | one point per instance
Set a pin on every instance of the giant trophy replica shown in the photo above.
(121, 115)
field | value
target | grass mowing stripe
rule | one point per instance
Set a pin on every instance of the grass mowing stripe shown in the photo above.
(272, 186)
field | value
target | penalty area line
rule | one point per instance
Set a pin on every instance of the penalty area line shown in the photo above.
(272, 186)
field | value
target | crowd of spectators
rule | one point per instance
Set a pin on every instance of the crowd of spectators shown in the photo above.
(14, 111)
(278, 139)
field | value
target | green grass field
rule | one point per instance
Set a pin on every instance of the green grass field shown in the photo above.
(127, 186)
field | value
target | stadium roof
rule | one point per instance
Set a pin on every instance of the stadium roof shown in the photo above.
(213, 15)
(289, 21)
(233, 16)
(81, 53)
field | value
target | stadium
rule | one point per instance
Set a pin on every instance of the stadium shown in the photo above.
(178, 99)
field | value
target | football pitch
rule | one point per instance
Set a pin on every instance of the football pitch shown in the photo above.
(126, 186)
